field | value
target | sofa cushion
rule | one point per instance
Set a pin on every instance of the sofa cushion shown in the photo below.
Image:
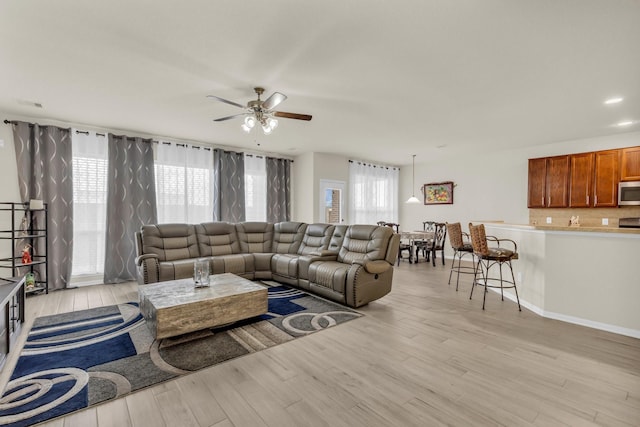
(177, 269)
(254, 237)
(316, 238)
(170, 241)
(240, 264)
(217, 238)
(287, 237)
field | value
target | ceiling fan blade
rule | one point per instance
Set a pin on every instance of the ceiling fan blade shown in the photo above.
(222, 119)
(226, 101)
(275, 99)
(292, 115)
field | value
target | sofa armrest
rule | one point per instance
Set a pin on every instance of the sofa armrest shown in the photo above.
(374, 267)
(323, 253)
(148, 268)
(141, 258)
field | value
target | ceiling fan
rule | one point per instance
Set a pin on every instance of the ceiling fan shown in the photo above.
(262, 112)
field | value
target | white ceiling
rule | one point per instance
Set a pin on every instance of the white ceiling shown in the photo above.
(382, 79)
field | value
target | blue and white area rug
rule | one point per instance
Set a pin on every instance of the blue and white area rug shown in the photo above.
(74, 360)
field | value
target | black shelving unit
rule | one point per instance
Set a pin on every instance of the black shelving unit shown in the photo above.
(25, 227)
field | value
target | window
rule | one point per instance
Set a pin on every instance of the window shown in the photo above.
(255, 188)
(89, 202)
(183, 183)
(373, 193)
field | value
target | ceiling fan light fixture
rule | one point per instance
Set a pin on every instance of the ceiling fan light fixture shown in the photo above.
(245, 128)
(266, 129)
(250, 122)
(273, 123)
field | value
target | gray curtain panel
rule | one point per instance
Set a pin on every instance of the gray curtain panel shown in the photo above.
(228, 186)
(278, 189)
(43, 156)
(131, 203)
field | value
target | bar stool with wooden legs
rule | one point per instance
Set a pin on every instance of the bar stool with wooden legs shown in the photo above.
(490, 257)
(461, 246)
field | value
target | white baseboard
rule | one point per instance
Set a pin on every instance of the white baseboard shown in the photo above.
(571, 319)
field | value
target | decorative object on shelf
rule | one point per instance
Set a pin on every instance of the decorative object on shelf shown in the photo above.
(26, 254)
(30, 281)
(438, 193)
(413, 199)
(24, 226)
(36, 205)
(574, 221)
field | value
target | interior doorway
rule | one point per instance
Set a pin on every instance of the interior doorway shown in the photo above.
(332, 207)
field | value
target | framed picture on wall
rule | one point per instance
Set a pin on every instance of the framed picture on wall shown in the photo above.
(438, 193)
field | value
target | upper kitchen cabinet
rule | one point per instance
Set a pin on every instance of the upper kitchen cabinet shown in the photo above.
(630, 164)
(605, 178)
(580, 180)
(548, 182)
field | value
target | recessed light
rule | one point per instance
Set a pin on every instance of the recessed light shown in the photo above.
(613, 100)
(625, 123)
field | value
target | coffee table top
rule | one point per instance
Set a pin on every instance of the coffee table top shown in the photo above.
(183, 291)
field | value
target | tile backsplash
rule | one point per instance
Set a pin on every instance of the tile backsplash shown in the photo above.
(589, 217)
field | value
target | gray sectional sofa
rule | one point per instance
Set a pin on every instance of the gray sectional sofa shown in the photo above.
(352, 265)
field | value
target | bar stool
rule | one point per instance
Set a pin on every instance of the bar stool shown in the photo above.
(461, 246)
(490, 257)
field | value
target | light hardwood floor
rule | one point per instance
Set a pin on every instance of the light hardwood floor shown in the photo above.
(424, 355)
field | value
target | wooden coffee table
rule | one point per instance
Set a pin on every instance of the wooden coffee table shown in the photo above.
(177, 307)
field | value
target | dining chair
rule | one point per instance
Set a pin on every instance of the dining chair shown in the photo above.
(437, 244)
(461, 245)
(489, 257)
(424, 245)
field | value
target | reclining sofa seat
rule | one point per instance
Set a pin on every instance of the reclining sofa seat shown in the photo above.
(361, 271)
(284, 264)
(169, 251)
(219, 242)
(348, 264)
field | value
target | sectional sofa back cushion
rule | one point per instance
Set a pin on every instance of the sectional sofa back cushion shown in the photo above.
(170, 241)
(337, 238)
(287, 237)
(316, 238)
(365, 242)
(255, 237)
(217, 238)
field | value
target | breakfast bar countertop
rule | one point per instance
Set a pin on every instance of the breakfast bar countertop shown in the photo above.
(552, 227)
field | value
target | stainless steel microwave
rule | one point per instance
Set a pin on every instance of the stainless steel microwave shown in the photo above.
(629, 193)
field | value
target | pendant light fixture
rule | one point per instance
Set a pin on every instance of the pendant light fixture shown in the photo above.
(413, 199)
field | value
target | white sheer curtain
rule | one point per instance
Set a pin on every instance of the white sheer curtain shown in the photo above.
(373, 193)
(89, 202)
(255, 186)
(184, 174)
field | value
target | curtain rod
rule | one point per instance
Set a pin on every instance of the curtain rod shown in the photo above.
(373, 165)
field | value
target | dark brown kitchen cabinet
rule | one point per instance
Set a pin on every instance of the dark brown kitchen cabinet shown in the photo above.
(580, 180)
(548, 182)
(537, 183)
(605, 178)
(630, 164)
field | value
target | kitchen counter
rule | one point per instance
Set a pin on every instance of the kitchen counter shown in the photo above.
(583, 275)
(551, 227)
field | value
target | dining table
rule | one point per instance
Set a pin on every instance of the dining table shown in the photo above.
(413, 237)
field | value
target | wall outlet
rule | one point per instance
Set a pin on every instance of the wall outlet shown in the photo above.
(548, 220)
(605, 221)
